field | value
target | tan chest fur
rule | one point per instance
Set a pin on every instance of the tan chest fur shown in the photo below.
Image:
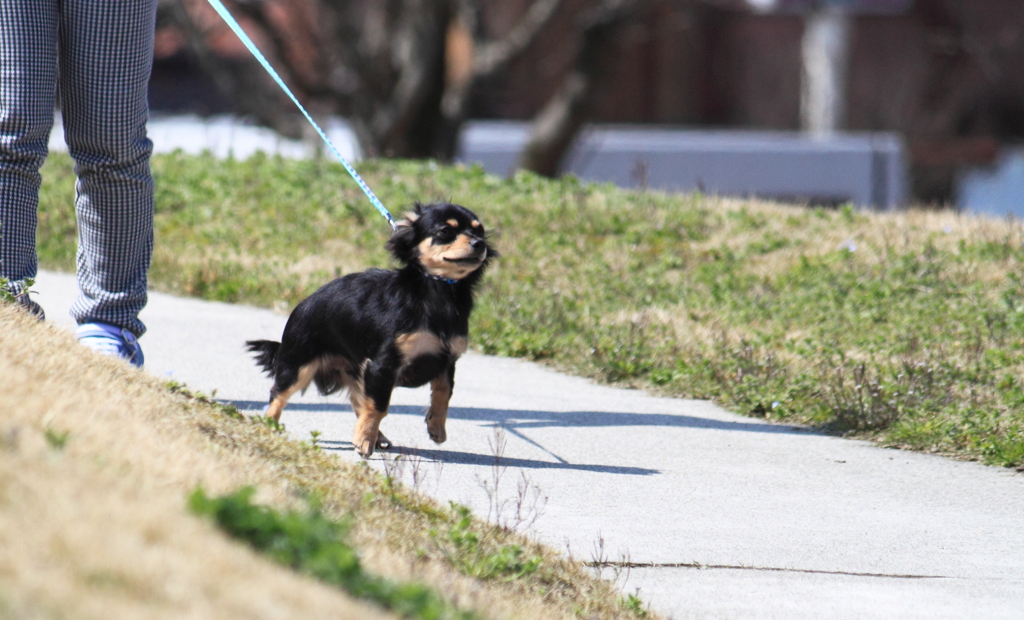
(418, 344)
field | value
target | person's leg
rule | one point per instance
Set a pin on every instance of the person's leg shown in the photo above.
(106, 53)
(28, 82)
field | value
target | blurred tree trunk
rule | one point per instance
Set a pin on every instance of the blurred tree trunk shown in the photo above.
(385, 65)
(825, 57)
(558, 123)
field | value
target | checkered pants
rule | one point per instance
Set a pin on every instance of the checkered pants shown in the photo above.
(98, 54)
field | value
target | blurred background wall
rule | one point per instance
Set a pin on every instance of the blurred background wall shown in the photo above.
(944, 75)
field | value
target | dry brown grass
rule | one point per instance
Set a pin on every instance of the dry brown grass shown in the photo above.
(816, 233)
(99, 527)
(875, 236)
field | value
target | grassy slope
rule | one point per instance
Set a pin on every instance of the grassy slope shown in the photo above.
(904, 327)
(97, 461)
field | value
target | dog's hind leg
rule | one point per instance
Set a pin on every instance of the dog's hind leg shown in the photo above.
(281, 393)
(440, 393)
(368, 418)
(370, 396)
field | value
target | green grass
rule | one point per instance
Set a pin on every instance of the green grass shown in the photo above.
(903, 328)
(56, 438)
(461, 546)
(10, 292)
(311, 543)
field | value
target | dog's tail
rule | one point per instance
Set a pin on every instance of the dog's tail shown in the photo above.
(266, 353)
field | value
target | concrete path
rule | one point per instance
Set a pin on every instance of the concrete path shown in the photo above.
(725, 516)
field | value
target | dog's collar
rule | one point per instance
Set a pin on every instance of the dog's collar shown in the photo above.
(440, 278)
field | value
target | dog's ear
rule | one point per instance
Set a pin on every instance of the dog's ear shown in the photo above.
(402, 243)
(410, 218)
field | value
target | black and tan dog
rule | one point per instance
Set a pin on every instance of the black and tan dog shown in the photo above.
(379, 329)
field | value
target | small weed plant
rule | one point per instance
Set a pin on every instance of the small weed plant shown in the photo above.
(521, 509)
(633, 603)
(455, 536)
(11, 292)
(599, 559)
(6, 293)
(311, 543)
(462, 548)
(57, 439)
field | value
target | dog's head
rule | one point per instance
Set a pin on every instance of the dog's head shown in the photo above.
(444, 240)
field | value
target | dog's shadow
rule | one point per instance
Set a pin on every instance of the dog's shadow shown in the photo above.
(486, 460)
(515, 422)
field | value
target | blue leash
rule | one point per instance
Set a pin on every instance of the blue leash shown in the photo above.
(223, 12)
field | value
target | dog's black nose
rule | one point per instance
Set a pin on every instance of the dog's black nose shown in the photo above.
(478, 245)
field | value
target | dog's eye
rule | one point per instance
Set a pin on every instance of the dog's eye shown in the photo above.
(445, 232)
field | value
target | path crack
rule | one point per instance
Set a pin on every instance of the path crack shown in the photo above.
(775, 569)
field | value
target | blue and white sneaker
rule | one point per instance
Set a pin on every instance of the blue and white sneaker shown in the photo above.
(111, 340)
